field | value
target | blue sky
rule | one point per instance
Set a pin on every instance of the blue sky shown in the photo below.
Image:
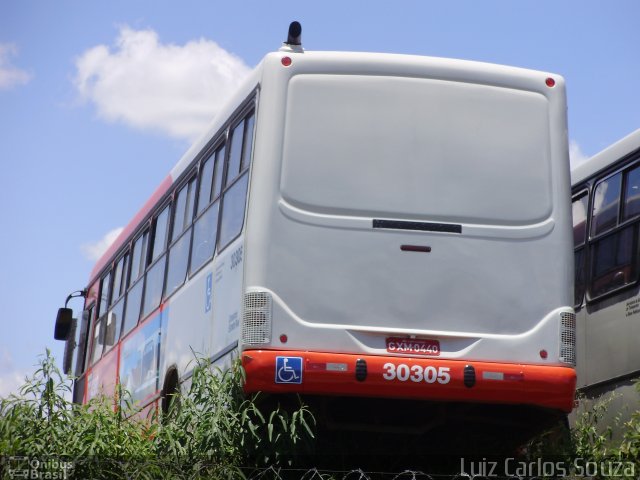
(98, 100)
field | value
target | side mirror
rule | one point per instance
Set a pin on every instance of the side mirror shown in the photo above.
(63, 324)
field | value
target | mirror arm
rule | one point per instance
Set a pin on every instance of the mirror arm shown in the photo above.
(76, 294)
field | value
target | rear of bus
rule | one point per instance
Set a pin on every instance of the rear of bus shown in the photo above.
(408, 233)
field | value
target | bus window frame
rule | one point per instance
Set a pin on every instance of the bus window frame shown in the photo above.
(623, 167)
(580, 193)
(85, 339)
(220, 139)
(192, 175)
(150, 261)
(245, 169)
(209, 154)
(144, 229)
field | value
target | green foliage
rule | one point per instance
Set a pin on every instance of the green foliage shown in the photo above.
(592, 440)
(630, 445)
(215, 431)
(215, 424)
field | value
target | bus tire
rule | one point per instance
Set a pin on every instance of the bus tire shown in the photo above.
(170, 391)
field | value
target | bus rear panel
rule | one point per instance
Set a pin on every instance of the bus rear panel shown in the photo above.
(408, 232)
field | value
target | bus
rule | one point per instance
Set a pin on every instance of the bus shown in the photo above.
(606, 217)
(386, 231)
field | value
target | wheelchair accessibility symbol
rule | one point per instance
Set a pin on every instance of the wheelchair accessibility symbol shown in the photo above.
(289, 370)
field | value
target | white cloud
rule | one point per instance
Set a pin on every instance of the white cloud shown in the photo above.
(10, 76)
(11, 378)
(93, 251)
(164, 87)
(576, 157)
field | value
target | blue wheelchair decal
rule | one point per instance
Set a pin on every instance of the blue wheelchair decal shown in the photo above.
(289, 370)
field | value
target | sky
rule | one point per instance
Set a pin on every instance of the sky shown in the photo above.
(99, 100)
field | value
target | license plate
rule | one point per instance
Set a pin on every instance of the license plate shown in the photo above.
(413, 346)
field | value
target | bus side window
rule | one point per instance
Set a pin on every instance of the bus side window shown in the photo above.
(631, 207)
(180, 238)
(97, 343)
(579, 212)
(233, 206)
(235, 153)
(206, 178)
(235, 195)
(204, 237)
(83, 340)
(219, 171)
(614, 250)
(136, 282)
(154, 281)
(105, 294)
(205, 228)
(248, 142)
(240, 148)
(114, 318)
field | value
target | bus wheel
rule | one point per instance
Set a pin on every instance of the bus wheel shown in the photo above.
(170, 393)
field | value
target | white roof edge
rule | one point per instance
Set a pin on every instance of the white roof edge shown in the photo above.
(245, 89)
(603, 159)
(349, 61)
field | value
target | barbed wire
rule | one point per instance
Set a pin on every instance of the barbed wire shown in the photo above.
(277, 473)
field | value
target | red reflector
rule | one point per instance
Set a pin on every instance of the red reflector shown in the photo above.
(550, 82)
(284, 338)
(286, 61)
(543, 354)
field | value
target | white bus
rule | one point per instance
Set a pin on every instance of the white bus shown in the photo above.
(355, 226)
(606, 218)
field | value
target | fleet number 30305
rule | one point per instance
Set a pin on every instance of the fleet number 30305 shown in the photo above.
(416, 373)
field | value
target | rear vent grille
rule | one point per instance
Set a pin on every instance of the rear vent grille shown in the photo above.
(568, 338)
(256, 318)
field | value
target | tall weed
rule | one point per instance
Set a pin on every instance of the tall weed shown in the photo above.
(215, 432)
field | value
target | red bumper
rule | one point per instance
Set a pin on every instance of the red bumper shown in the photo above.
(402, 377)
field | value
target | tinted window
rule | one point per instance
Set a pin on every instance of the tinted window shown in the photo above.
(206, 176)
(204, 237)
(219, 170)
(178, 262)
(184, 209)
(132, 310)
(153, 288)
(97, 344)
(85, 340)
(580, 276)
(233, 205)
(235, 152)
(579, 212)
(612, 262)
(138, 257)
(119, 278)
(114, 323)
(160, 234)
(248, 142)
(632, 194)
(105, 291)
(606, 203)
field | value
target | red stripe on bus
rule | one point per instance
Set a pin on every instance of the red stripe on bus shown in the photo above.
(133, 224)
(421, 378)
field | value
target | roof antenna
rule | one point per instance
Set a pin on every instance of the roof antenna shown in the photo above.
(294, 39)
